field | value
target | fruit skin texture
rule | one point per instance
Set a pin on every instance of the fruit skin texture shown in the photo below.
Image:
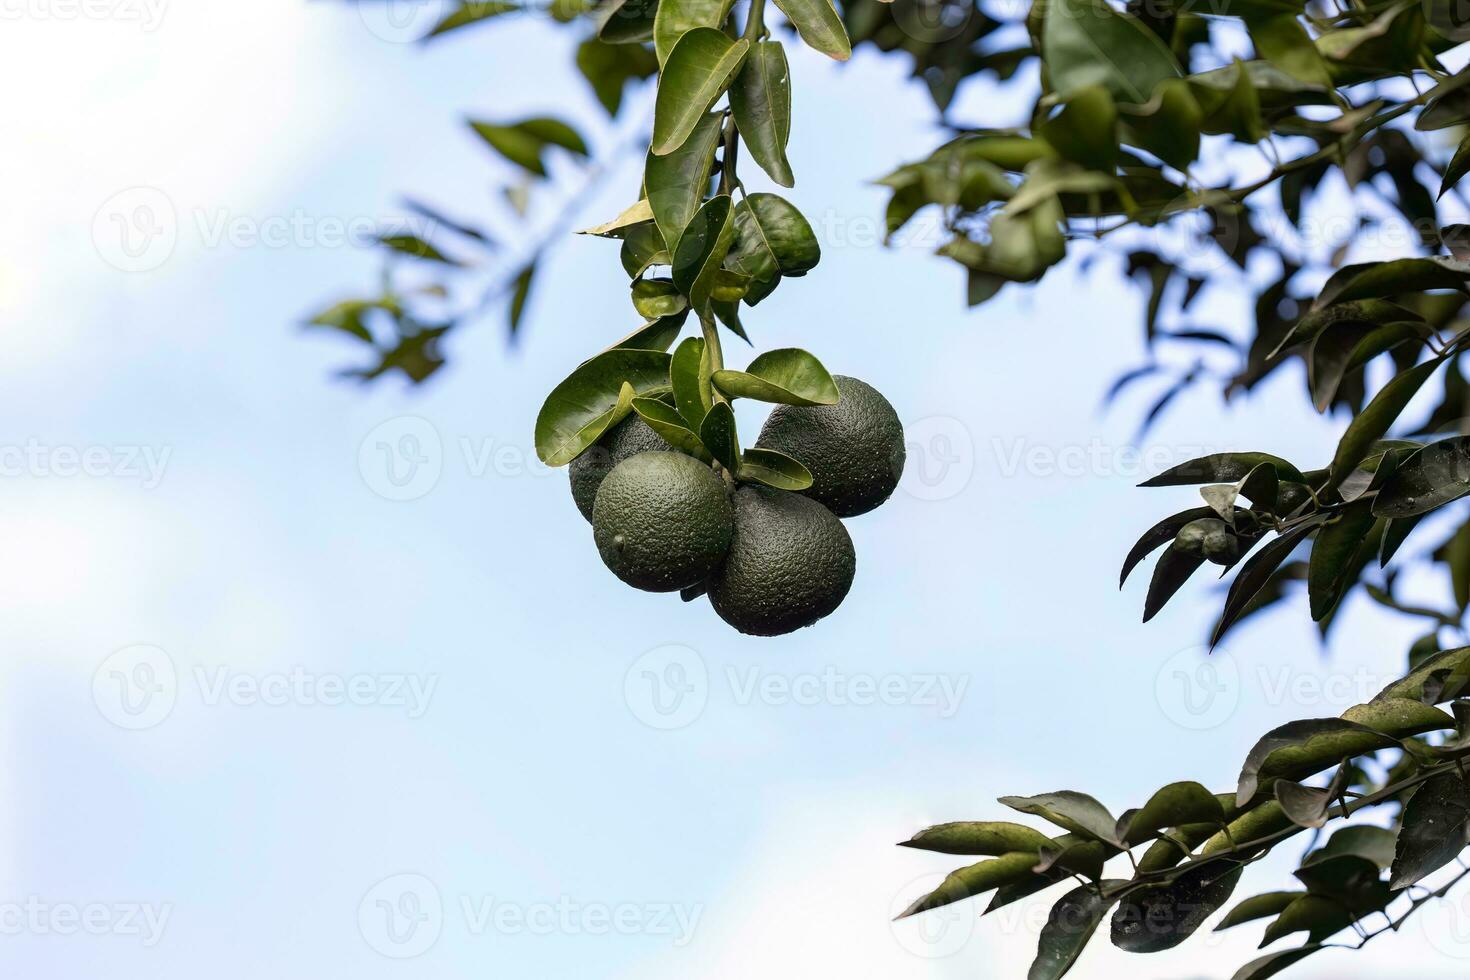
(662, 521)
(628, 438)
(854, 449)
(790, 564)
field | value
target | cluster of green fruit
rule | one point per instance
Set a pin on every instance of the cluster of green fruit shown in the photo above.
(771, 560)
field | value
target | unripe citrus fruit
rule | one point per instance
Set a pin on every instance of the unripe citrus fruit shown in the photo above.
(629, 437)
(662, 521)
(854, 449)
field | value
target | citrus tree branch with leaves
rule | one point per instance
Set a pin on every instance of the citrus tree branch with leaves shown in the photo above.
(1239, 123)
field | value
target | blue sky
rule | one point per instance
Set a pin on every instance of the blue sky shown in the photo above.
(441, 710)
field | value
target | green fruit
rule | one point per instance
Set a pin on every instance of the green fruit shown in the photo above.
(628, 438)
(854, 449)
(662, 521)
(1210, 538)
(790, 564)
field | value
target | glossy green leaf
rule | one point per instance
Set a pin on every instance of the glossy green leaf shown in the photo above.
(1435, 829)
(1253, 576)
(701, 249)
(773, 469)
(976, 879)
(772, 239)
(656, 335)
(1258, 907)
(525, 143)
(1172, 570)
(1315, 915)
(1307, 806)
(1374, 280)
(676, 182)
(1070, 810)
(819, 25)
(1163, 916)
(1087, 43)
(1070, 924)
(643, 248)
(692, 395)
(1161, 533)
(1366, 841)
(978, 837)
(1222, 468)
(788, 376)
(699, 69)
(654, 298)
(717, 432)
(664, 419)
(1436, 475)
(580, 409)
(1335, 352)
(675, 18)
(761, 101)
(1337, 543)
(1370, 425)
(1172, 806)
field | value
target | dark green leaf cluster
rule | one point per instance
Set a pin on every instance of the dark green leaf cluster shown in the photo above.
(1399, 752)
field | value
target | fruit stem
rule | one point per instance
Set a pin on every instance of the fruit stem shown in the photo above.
(712, 341)
(755, 22)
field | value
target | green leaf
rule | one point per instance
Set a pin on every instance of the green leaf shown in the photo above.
(1436, 475)
(773, 469)
(772, 239)
(1282, 40)
(692, 395)
(656, 335)
(819, 25)
(699, 69)
(1316, 915)
(788, 376)
(1070, 924)
(717, 432)
(1258, 907)
(1307, 806)
(1374, 843)
(1168, 125)
(1369, 425)
(1172, 806)
(1086, 130)
(1161, 533)
(1161, 917)
(1419, 684)
(761, 101)
(1173, 569)
(978, 837)
(609, 67)
(1255, 573)
(1443, 111)
(1229, 103)
(643, 248)
(654, 298)
(524, 143)
(1374, 280)
(1337, 543)
(1008, 869)
(1435, 829)
(348, 316)
(1222, 468)
(1345, 347)
(675, 18)
(676, 182)
(1300, 748)
(1273, 963)
(471, 12)
(664, 419)
(701, 249)
(1087, 43)
(416, 247)
(1458, 167)
(580, 409)
(634, 214)
(1070, 810)
(520, 293)
(626, 21)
